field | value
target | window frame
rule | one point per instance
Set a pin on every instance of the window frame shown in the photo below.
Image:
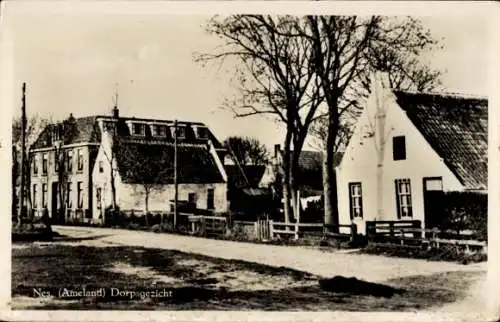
(44, 195)
(35, 164)
(79, 191)
(98, 196)
(404, 196)
(353, 198)
(136, 125)
(399, 148)
(35, 205)
(69, 160)
(80, 161)
(45, 163)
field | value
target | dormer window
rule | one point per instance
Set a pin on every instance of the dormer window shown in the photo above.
(108, 126)
(202, 132)
(181, 132)
(138, 129)
(159, 130)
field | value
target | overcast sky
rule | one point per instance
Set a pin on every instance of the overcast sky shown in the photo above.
(72, 61)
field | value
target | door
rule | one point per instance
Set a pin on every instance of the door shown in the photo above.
(53, 203)
(433, 198)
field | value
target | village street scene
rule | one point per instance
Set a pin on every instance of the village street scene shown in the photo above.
(249, 162)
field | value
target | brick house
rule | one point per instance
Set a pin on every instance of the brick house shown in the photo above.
(103, 147)
(69, 147)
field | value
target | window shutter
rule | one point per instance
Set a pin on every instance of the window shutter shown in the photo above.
(397, 199)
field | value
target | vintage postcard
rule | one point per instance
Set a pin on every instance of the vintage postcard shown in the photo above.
(249, 161)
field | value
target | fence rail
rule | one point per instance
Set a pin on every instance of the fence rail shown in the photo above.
(410, 234)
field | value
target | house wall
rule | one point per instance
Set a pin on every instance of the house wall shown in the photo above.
(74, 177)
(359, 164)
(131, 196)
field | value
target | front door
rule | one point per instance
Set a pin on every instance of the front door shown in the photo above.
(433, 200)
(53, 203)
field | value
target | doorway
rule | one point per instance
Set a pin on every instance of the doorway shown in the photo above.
(433, 201)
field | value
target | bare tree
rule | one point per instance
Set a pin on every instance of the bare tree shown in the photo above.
(153, 172)
(347, 49)
(248, 151)
(34, 127)
(275, 78)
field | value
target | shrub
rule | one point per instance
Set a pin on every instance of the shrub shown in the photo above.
(465, 210)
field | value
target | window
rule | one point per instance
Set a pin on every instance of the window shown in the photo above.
(403, 198)
(34, 196)
(35, 164)
(109, 126)
(181, 132)
(80, 159)
(98, 196)
(69, 161)
(69, 202)
(210, 199)
(433, 184)
(45, 161)
(138, 129)
(159, 130)
(202, 132)
(399, 148)
(44, 195)
(355, 200)
(79, 194)
(192, 198)
(101, 167)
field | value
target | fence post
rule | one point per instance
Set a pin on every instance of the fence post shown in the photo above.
(354, 232)
(391, 229)
(271, 229)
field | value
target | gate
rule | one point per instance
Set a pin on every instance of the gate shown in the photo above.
(263, 229)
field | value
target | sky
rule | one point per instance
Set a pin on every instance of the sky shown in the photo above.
(75, 61)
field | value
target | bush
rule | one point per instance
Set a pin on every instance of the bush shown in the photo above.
(465, 210)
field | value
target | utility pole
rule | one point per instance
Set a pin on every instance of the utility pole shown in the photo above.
(22, 165)
(176, 186)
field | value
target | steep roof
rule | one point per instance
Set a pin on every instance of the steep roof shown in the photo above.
(78, 130)
(123, 131)
(456, 128)
(154, 163)
(236, 178)
(311, 168)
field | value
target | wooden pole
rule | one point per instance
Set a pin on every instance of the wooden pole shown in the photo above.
(176, 187)
(23, 154)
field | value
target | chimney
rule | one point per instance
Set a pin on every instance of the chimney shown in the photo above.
(277, 149)
(116, 112)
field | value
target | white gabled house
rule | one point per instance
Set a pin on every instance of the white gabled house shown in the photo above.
(406, 150)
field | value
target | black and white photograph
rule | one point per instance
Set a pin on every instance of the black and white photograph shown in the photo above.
(195, 158)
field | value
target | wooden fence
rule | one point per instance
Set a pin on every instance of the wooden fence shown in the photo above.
(208, 225)
(409, 234)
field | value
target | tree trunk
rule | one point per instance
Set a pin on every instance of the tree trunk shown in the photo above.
(146, 205)
(330, 178)
(286, 177)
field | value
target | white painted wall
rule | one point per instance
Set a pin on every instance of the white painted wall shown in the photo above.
(359, 164)
(131, 196)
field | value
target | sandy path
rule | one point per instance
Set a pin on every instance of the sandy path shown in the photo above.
(368, 267)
